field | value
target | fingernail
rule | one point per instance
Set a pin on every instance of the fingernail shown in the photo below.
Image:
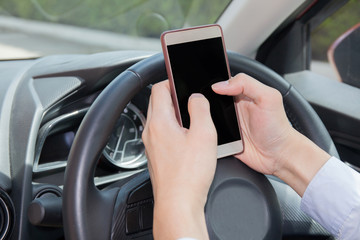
(196, 95)
(220, 84)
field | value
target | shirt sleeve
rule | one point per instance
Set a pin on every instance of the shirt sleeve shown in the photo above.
(333, 199)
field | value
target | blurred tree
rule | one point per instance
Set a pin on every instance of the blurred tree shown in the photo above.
(333, 27)
(136, 17)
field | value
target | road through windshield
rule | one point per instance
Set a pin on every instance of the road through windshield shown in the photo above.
(40, 27)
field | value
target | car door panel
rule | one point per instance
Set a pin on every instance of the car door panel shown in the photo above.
(337, 104)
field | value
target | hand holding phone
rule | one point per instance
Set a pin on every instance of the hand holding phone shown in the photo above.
(195, 59)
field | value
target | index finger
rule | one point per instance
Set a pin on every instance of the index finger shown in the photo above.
(244, 85)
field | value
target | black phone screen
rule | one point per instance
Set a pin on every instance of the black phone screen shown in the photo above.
(195, 67)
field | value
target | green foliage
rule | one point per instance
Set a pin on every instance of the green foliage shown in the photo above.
(132, 17)
(333, 27)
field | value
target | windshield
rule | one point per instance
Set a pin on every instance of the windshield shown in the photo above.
(33, 28)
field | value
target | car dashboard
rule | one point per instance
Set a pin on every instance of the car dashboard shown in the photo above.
(43, 103)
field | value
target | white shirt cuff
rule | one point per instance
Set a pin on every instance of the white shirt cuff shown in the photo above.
(332, 196)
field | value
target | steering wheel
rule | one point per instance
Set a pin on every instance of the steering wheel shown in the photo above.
(242, 203)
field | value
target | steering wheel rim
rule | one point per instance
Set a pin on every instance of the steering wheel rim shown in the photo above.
(84, 214)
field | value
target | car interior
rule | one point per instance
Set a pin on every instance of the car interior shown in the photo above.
(74, 99)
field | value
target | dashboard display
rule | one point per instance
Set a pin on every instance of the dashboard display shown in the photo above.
(125, 148)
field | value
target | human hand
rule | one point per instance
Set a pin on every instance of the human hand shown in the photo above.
(271, 145)
(265, 127)
(181, 164)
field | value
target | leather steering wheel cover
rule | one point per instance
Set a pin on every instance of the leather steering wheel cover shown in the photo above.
(83, 204)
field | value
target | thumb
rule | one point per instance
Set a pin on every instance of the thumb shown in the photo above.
(199, 111)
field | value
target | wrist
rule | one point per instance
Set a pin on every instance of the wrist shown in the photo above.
(175, 219)
(180, 197)
(300, 161)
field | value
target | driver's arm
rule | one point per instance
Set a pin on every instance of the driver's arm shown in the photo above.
(181, 164)
(330, 189)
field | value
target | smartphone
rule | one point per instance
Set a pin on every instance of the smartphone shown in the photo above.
(196, 58)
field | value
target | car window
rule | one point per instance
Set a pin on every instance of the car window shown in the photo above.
(332, 29)
(138, 19)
